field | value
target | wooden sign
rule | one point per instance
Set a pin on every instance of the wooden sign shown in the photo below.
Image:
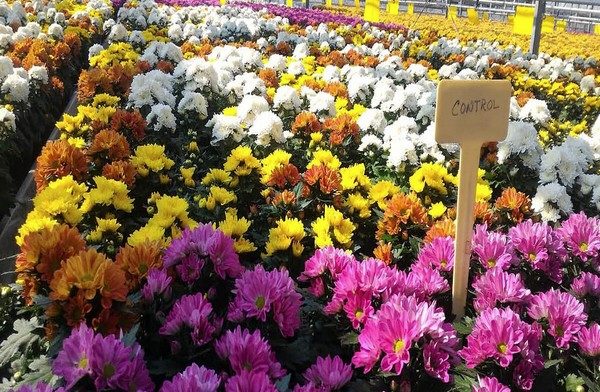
(470, 113)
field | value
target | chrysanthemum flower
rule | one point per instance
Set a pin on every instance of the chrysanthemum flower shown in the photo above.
(40, 386)
(329, 373)
(193, 378)
(439, 254)
(327, 178)
(122, 171)
(425, 282)
(84, 271)
(151, 158)
(332, 226)
(490, 384)
(401, 211)
(434, 175)
(195, 313)
(586, 284)
(382, 191)
(58, 159)
(248, 351)
(581, 235)
(257, 292)
(493, 249)
(564, 313)
(288, 232)
(515, 205)
(241, 161)
(589, 340)
(108, 193)
(327, 259)
(73, 361)
(109, 145)
(158, 284)
(437, 361)
(137, 260)
(235, 228)
(250, 381)
(497, 286)
(109, 362)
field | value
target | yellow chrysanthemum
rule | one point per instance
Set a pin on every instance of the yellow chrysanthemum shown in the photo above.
(103, 226)
(289, 232)
(236, 228)
(150, 232)
(436, 210)
(434, 175)
(354, 176)
(34, 222)
(217, 196)
(356, 203)
(151, 157)
(276, 159)
(382, 191)
(332, 229)
(108, 192)
(187, 174)
(217, 176)
(241, 161)
(324, 157)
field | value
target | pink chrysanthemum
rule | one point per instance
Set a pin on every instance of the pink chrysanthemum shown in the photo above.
(399, 323)
(541, 247)
(497, 334)
(358, 309)
(245, 350)
(589, 340)
(492, 249)
(438, 254)
(73, 361)
(158, 284)
(565, 315)
(586, 284)
(40, 386)
(250, 381)
(490, 384)
(257, 292)
(195, 313)
(425, 282)
(329, 373)
(327, 259)
(193, 378)
(498, 286)
(436, 361)
(581, 235)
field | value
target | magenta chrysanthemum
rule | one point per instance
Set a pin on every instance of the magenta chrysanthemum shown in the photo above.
(193, 378)
(329, 373)
(589, 340)
(425, 282)
(109, 362)
(158, 284)
(564, 313)
(40, 386)
(497, 286)
(73, 361)
(195, 313)
(436, 360)
(245, 350)
(541, 247)
(586, 284)
(492, 249)
(259, 292)
(490, 384)
(399, 323)
(581, 235)
(438, 254)
(250, 381)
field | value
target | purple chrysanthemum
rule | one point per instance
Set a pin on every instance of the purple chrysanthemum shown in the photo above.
(158, 284)
(195, 313)
(492, 249)
(40, 386)
(438, 254)
(541, 247)
(399, 323)
(586, 284)
(190, 252)
(245, 350)
(589, 340)
(329, 373)
(193, 378)
(327, 259)
(436, 361)
(258, 292)
(581, 235)
(565, 315)
(496, 286)
(109, 363)
(490, 384)
(250, 381)
(73, 361)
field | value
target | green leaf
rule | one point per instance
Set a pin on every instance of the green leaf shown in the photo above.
(349, 339)
(551, 363)
(130, 337)
(464, 326)
(41, 370)
(573, 382)
(23, 337)
(283, 385)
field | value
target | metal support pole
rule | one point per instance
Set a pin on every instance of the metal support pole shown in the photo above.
(540, 8)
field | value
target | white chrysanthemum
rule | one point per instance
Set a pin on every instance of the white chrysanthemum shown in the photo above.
(287, 98)
(118, 33)
(588, 84)
(370, 140)
(226, 126)
(8, 123)
(296, 68)
(412, 94)
(277, 63)
(195, 103)
(521, 141)
(161, 118)
(95, 50)
(151, 88)
(175, 33)
(331, 73)
(372, 121)
(536, 110)
(417, 71)
(384, 91)
(566, 162)
(246, 84)
(550, 200)
(39, 74)
(323, 105)
(6, 67)
(360, 88)
(301, 51)
(448, 71)
(16, 88)
(136, 38)
(196, 74)
(55, 31)
(395, 104)
(515, 109)
(467, 74)
(267, 126)
(250, 107)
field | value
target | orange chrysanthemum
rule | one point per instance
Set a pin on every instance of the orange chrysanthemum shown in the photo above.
(114, 285)
(73, 41)
(165, 66)
(441, 228)
(130, 124)
(337, 89)
(30, 284)
(44, 250)
(401, 211)
(58, 159)
(283, 176)
(75, 310)
(137, 260)
(269, 77)
(110, 145)
(513, 205)
(285, 198)
(113, 321)
(84, 271)
(484, 213)
(384, 252)
(340, 128)
(305, 124)
(123, 171)
(329, 179)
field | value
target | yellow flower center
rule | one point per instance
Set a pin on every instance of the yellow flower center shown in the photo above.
(443, 263)
(399, 345)
(260, 302)
(583, 247)
(359, 313)
(82, 363)
(532, 256)
(491, 263)
(502, 348)
(108, 370)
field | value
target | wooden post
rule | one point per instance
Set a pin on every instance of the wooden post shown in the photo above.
(538, 18)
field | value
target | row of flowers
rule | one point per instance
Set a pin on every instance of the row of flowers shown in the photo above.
(243, 200)
(42, 49)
